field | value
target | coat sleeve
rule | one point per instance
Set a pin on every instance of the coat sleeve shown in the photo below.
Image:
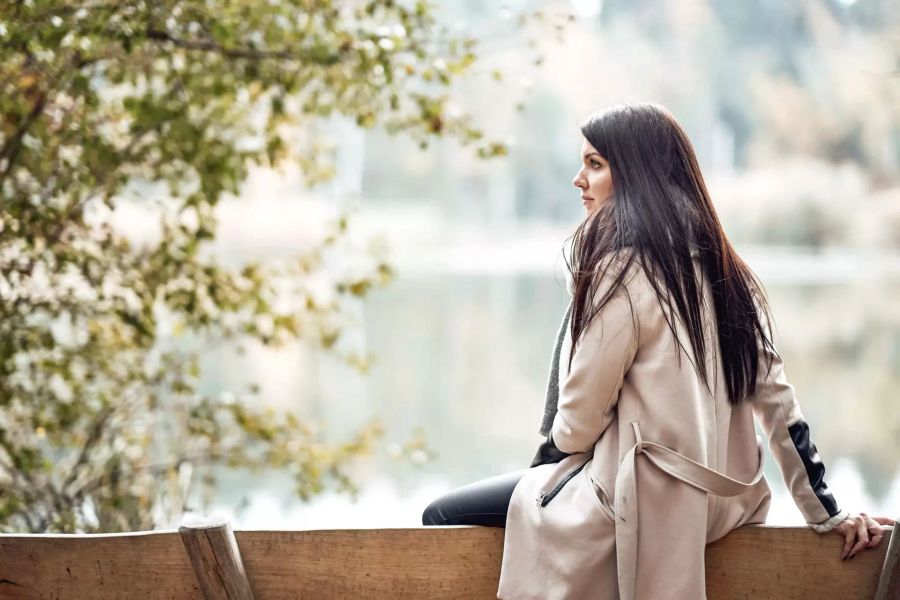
(776, 409)
(547, 453)
(589, 391)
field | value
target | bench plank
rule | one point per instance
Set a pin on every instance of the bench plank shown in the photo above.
(98, 566)
(889, 582)
(769, 561)
(217, 563)
(442, 562)
(447, 562)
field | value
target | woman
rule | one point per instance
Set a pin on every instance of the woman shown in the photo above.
(651, 451)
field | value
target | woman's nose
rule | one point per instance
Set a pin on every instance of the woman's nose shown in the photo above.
(577, 180)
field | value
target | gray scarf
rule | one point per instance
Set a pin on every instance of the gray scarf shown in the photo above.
(553, 383)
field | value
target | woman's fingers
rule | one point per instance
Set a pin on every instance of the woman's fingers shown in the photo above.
(849, 534)
(876, 531)
(876, 534)
(862, 533)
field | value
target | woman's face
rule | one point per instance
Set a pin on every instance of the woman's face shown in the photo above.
(594, 178)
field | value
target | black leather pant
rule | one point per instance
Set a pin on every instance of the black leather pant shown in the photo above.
(485, 501)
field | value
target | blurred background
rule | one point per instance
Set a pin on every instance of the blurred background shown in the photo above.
(794, 111)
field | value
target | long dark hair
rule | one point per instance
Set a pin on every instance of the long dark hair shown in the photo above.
(659, 212)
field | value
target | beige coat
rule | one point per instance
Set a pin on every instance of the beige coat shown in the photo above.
(659, 467)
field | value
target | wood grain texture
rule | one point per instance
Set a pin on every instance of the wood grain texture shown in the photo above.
(889, 582)
(214, 554)
(447, 562)
(772, 562)
(102, 567)
(450, 562)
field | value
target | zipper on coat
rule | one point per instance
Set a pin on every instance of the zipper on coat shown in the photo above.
(546, 497)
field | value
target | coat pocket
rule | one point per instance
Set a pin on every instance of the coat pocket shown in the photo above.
(603, 497)
(550, 491)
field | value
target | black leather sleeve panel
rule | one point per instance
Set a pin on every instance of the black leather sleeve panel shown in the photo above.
(548, 453)
(815, 470)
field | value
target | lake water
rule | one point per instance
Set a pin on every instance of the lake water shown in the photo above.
(463, 350)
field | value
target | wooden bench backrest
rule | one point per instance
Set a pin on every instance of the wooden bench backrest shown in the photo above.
(755, 561)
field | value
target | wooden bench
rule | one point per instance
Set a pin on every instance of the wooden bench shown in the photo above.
(202, 561)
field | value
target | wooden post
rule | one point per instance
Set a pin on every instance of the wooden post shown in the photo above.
(216, 559)
(889, 582)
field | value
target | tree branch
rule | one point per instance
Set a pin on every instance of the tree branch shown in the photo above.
(94, 436)
(10, 150)
(248, 53)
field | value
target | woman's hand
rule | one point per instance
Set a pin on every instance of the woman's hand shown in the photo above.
(860, 531)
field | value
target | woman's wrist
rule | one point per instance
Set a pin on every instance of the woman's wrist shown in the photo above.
(830, 523)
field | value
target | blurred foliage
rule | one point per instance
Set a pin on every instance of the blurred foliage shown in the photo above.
(103, 426)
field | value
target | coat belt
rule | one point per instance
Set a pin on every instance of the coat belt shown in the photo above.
(677, 465)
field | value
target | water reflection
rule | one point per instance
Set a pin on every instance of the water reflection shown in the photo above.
(466, 357)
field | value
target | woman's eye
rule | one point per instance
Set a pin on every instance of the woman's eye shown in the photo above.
(595, 164)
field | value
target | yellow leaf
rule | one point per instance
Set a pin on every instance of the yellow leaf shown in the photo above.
(26, 80)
